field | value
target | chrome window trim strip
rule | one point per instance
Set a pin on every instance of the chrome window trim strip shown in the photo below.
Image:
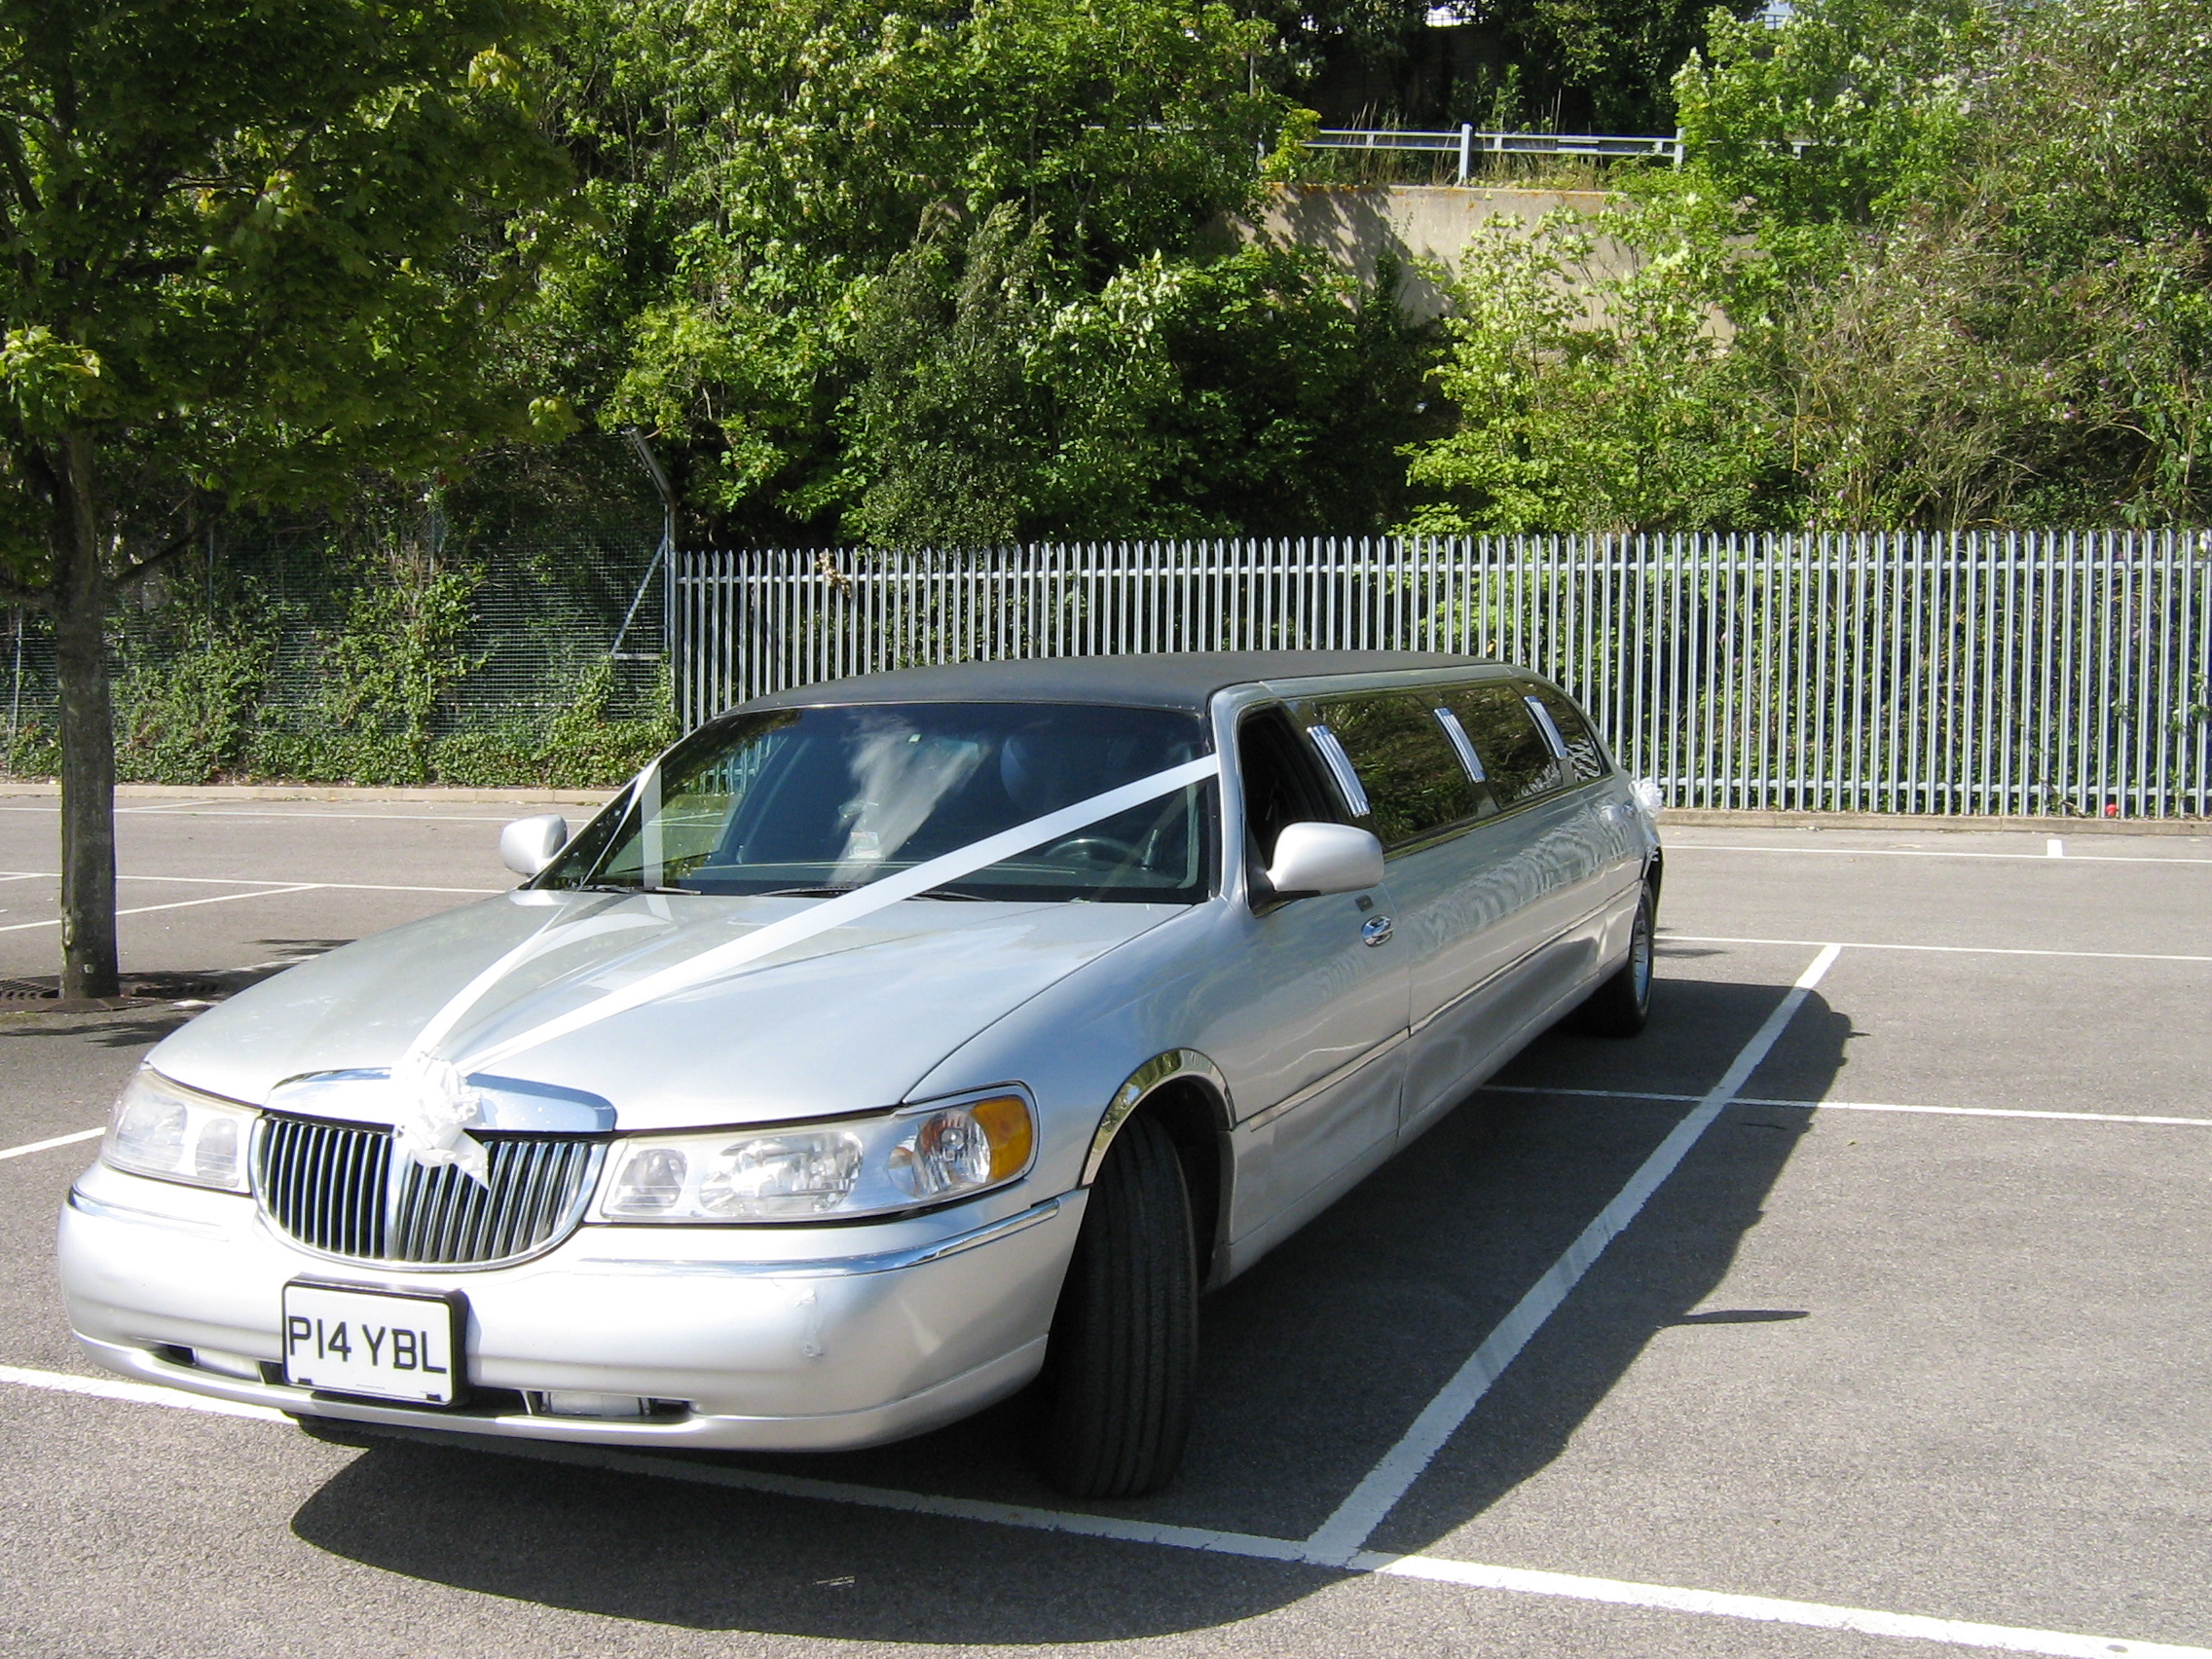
(1554, 738)
(1340, 766)
(1461, 744)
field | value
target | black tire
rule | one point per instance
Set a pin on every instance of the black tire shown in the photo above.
(1620, 1006)
(1122, 1367)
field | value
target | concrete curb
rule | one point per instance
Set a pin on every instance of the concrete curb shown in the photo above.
(359, 793)
(1919, 822)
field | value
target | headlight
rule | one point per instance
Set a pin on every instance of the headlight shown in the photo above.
(862, 1166)
(165, 1129)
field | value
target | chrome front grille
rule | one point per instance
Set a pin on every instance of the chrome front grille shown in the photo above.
(329, 1185)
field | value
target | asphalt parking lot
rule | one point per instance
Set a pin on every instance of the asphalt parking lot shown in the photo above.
(1858, 1307)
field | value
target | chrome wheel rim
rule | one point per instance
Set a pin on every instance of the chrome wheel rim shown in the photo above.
(1641, 955)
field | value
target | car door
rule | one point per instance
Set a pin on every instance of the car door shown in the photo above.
(1311, 1029)
(1606, 829)
(1451, 887)
(1545, 858)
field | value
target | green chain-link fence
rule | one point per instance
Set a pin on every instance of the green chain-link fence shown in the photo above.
(314, 654)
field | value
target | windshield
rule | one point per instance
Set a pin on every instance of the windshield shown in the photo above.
(818, 801)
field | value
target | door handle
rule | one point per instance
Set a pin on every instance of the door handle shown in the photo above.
(1376, 929)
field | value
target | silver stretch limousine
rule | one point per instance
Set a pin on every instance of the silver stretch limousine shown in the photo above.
(884, 1047)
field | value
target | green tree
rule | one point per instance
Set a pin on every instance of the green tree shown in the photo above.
(1929, 261)
(1609, 62)
(1575, 65)
(253, 248)
(1998, 312)
(1604, 380)
(1259, 392)
(756, 170)
(1850, 114)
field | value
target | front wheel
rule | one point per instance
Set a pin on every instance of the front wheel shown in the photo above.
(1620, 1005)
(1121, 1370)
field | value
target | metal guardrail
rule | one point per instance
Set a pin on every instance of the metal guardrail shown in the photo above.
(1468, 143)
(2013, 673)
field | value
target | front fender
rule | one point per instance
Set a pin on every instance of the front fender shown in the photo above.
(1185, 1064)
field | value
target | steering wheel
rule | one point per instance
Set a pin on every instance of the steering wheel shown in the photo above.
(1094, 849)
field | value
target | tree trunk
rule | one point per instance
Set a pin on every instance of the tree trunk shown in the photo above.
(89, 964)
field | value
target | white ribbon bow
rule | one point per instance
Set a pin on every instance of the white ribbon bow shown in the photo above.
(436, 1109)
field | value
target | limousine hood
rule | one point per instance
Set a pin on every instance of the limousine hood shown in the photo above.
(849, 1020)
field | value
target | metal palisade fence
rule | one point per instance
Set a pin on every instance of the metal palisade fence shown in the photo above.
(2017, 672)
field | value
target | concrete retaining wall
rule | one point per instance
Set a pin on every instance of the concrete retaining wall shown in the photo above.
(1354, 224)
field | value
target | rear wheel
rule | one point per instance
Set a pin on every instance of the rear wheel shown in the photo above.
(1118, 1375)
(1620, 1005)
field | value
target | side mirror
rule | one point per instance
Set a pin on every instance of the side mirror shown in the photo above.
(1324, 858)
(528, 844)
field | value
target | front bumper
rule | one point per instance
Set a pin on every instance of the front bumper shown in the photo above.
(783, 1338)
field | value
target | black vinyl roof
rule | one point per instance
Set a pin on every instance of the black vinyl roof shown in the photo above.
(1167, 679)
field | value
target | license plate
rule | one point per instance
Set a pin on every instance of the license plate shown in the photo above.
(387, 1346)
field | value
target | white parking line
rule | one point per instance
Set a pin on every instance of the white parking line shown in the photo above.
(1957, 1633)
(257, 881)
(138, 1393)
(1476, 1576)
(179, 905)
(1346, 1530)
(1944, 949)
(1673, 846)
(2054, 848)
(1852, 1106)
(29, 1147)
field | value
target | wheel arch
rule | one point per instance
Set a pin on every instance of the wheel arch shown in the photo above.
(1186, 1093)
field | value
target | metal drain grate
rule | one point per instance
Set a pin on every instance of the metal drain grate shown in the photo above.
(135, 988)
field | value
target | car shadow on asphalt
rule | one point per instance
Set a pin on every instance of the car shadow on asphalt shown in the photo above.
(1315, 1364)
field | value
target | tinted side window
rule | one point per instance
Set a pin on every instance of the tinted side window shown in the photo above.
(1514, 754)
(1413, 781)
(1279, 783)
(1585, 754)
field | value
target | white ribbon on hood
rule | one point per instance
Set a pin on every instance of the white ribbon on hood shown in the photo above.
(435, 1101)
(433, 1105)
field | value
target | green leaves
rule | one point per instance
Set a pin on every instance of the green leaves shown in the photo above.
(1965, 254)
(48, 381)
(1852, 112)
(1601, 383)
(256, 246)
(759, 175)
(1259, 392)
